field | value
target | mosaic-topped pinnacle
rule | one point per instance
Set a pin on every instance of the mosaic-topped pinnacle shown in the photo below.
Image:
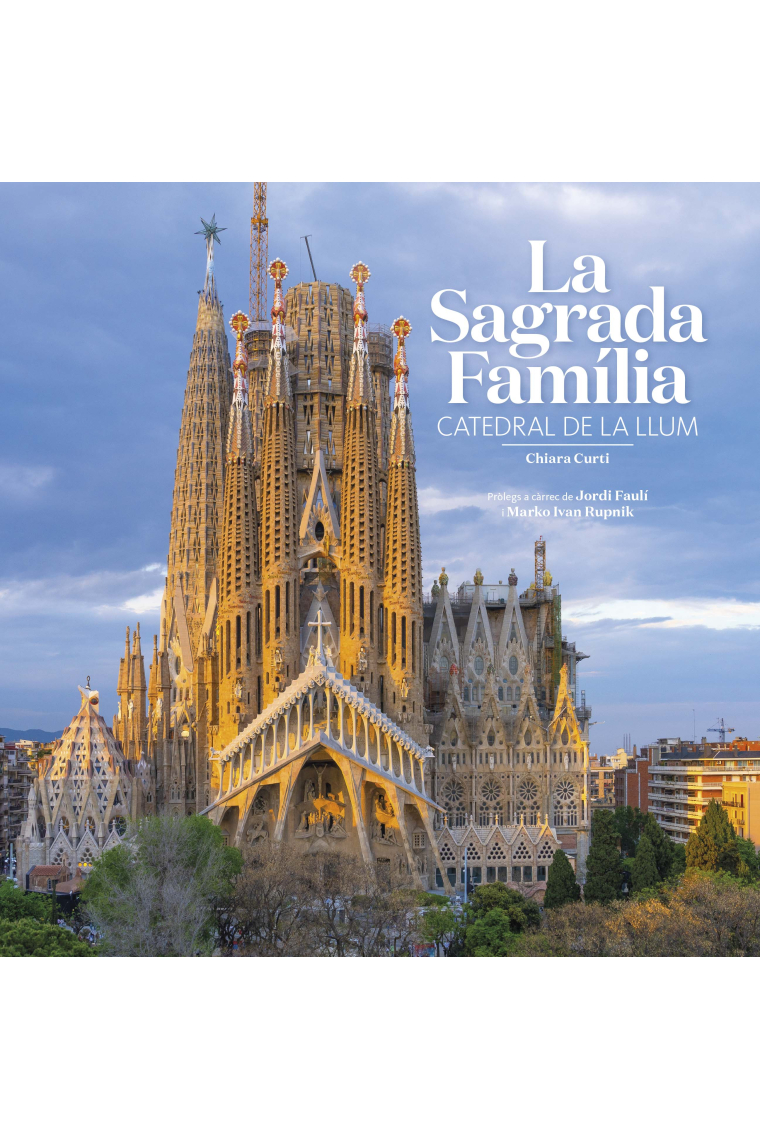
(239, 323)
(360, 274)
(401, 328)
(278, 270)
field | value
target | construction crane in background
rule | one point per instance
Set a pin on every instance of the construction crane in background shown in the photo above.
(720, 728)
(258, 294)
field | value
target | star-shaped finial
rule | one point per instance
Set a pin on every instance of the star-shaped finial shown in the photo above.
(211, 232)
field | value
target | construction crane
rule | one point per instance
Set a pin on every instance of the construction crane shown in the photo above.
(258, 295)
(720, 728)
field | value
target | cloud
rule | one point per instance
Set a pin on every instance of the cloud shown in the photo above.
(433, 499)
(103, 593)
(592, 203)
(21, 481)
(142, 604)
(679, 613)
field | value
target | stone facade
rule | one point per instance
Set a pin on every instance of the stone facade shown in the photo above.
(83, 797)
(510, 745)
(296, 659)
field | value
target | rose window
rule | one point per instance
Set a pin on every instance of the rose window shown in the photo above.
(490, 791)
(528, 791)
(565, 791)
(565, 805)
(453, 793)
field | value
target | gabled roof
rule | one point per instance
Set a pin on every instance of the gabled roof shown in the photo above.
(318, 674)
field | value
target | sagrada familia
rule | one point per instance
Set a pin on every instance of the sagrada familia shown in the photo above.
(301, 688)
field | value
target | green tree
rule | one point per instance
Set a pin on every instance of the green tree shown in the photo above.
(713, 846)
(491, 935)
(165, 891)
(678, 864)
(561, 887)
(644, 872)
(604, 874)
(30, 938)
(628, 823)
(437, 924)
(662, 845)
(749, 866)
(522, 912)
(15, 904)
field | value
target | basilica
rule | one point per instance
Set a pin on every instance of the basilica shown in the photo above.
(301, 688)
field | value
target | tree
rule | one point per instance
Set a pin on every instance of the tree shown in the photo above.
(495, 913)
(15, 904)
(749, 865)
(644, 871)
(30, 938)
(662, 845)
(678, 865)
(561, 887)
(604, 875)
(437, 924)
(270, 910)
(160, 892)
(522, 912)
(491, 935)
(353, 912)
(703, 914)
(628, 823)
(713, 846)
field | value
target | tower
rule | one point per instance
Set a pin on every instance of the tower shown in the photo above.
(130, 726)
(403, 559)
(239, 621)
(360, 511)
(279, 511)
(199, 475)
(188, 610)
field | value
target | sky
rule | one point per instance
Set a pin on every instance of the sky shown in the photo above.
(98, 296)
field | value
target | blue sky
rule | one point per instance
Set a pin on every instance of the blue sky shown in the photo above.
(99, 292)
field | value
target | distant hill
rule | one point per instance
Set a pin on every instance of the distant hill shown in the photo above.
(11, 734)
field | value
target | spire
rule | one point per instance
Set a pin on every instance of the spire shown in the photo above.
(239, 590)
(402, 441)
(360, 525)
(278, 381)
(279, 506)
(360, 387)
(403, 559)
(199, 475)
(239, 435)
(211, 233)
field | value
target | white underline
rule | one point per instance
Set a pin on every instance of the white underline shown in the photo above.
(567, 445)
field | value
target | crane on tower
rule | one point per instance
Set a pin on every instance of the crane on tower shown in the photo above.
(258, 292)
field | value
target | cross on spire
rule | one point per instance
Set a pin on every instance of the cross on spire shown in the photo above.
(320, 624)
